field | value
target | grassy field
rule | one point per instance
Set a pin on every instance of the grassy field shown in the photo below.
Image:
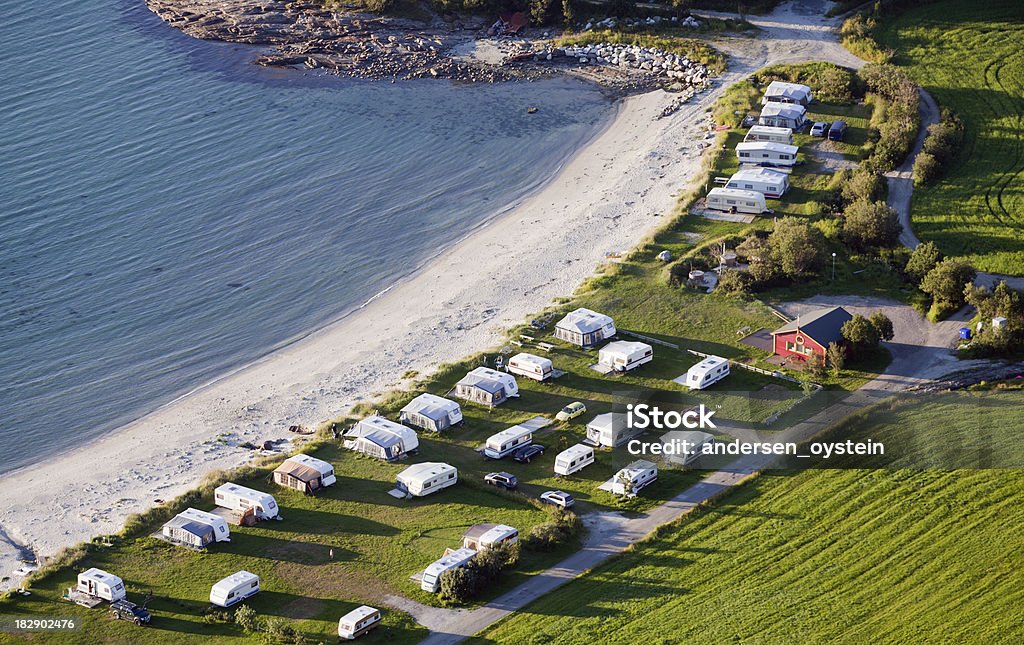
(968, 56)
(820, 556)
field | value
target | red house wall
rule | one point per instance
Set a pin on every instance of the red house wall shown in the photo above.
(790, 337)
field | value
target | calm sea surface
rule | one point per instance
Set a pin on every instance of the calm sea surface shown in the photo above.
(169, 212)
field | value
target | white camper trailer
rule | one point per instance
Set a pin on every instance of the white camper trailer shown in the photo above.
(783, 92)
(381, 438)
(219, 524)
(770, 183)
(429, 477)
(239, 498)
(707, 372)
(573, 459)
(188, 532)
(585, 328)
(486, 386)
(481, 537)
(431, 580)
(632, 478)
(234, 589)
(623, 355)
(732, 200)
(536, 367)
(304, 473)
(766, 153)
(100, 584)
(357, 622)
(769, 133)
(692, 440)
(431, 412)
(783, 115)
(505, 442)
(610, 430)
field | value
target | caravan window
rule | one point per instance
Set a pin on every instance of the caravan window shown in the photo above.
(451, 475)
(773, 188)
(744, 154)
(748, 186)
(785, 157)
(426, 485)
(231, 595)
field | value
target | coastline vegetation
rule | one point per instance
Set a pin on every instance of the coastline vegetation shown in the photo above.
(692, 48)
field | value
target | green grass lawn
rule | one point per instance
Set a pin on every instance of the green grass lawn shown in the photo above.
(820, 556)
(968, 55)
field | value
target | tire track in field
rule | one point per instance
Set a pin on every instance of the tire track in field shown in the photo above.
(1016, 166)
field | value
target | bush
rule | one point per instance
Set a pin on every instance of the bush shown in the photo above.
(922, 260)
(870, 224)
(565, 525)
(939, 149)
(458, 585)
(245, 617)
(863, 184)
(796, 246)
(927, 169)
(945, 284)
(897, 124)
(734, 282)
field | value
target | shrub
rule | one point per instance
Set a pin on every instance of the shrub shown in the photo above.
(945, 284)
(551, 535)
(734, 282)
(926, 169)
(836, 355)
(922, 260)
(870, 224)
(797, 246)
(245, 617)
(939, 149)
(863, 184)
(897, 126)
(458, 585)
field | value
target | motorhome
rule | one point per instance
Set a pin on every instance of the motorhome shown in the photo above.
(769, 133)
(486, 386)
(707, 372)
(481, 537)
(429, 477)
(623, 355)
(100, 584)
(357, 622)
(533, 367)
(505, 442)
(234, 589)
(768, 182)
(783, 92)
(431, 412)
(783, 115)
(732, 200)
(382, 438)
(239, 498)
(573, 459)
(610, 430)
(585, 328)
(631, 479)
(304, 473)
(766, 153)
(431, 580)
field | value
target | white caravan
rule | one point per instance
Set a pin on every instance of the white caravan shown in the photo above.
(505, 442)
(633, 477)
(783, 92)
(357, 622)
(429, 477)
(766, 153)
(481, 537)
(234, 589)
(623, 355)
(732, 200)
(783, 115)
(487, 387)
(573, 459)
(610, 429)
(100, 584)
(431, 580)
(692, 440)
(769, 133)
(536, 367)
(431, 412)
(382, 438)
(584, 327)
(707, 372)
(239, 498)
(768, 182)
(219, 524)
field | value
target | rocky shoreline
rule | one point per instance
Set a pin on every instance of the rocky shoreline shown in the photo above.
(360, 45)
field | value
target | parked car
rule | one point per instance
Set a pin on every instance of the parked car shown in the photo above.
(127, 610)
(820, 129)
(571, 411)
(557, 498)
(526, 453)
(507, 481)
(837, 132)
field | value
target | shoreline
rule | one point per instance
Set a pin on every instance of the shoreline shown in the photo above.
(510, 265)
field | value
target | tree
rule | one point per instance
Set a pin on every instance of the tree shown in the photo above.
(836, 355)
(926, 169)
(863, 184)
(922, 260)
(568, 13)
(870, 224)
(945, 283)
(882, 325)
(796, 246)
(859, 332)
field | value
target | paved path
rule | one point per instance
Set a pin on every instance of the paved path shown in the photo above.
(901, 180)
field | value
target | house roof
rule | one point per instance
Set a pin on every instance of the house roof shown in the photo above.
(824, 326)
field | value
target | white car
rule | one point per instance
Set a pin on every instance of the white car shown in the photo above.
(819, 129)
(557, 498)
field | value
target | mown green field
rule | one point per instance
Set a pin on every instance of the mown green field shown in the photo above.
(852, 556)
(968, 55)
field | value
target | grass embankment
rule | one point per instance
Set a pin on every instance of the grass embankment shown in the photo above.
(820, 556)
(968, 55)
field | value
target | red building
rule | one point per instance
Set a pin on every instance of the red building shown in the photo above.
(808, 337)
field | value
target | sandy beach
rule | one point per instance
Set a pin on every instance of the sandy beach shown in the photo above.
(605, 198)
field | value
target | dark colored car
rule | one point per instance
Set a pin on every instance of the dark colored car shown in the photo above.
(507, 481)
(127, 610)
(838, 131)
(526, 453)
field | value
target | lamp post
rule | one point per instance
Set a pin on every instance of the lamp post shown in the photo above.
(833, 266)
